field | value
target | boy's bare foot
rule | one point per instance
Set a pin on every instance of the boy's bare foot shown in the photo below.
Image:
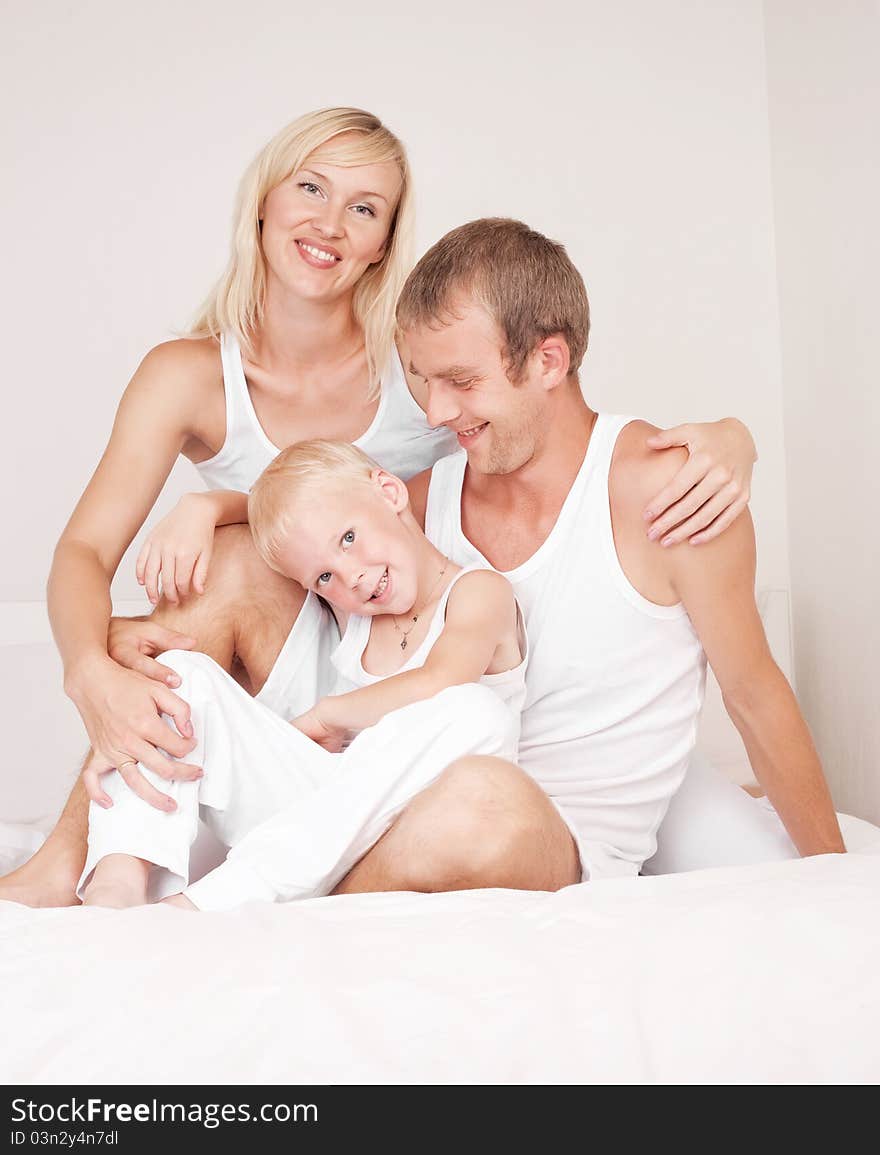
(180, 901)
(119, 881)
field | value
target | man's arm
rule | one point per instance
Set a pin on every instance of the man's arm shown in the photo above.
(716, 584)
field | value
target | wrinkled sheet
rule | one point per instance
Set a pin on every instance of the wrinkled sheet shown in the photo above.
(757, 974)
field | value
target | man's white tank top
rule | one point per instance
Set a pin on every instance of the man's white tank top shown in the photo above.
(399, 437)
(615, 683)
(509, 685)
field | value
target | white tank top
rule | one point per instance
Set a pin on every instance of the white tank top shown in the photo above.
(615, 683)
(509, 685)
(399, 437)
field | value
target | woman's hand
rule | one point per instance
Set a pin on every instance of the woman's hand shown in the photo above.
(178, 551)
(315, 725)
(122, 712)
(711, 489)
(135, 642)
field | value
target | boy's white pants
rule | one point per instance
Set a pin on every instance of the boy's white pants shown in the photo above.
(297, 817)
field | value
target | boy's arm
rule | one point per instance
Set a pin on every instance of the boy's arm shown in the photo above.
(481, 609)
(716, 585)
(177, 552)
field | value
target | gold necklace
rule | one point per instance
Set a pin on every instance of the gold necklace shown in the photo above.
(406, 633)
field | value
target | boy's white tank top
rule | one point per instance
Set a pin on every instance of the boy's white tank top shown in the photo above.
(614, 684)
(399, 437)
(509, 685)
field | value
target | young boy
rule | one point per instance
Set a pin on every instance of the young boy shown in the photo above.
(430, 668)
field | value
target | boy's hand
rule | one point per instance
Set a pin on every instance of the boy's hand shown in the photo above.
(177, 553)
(330, 737)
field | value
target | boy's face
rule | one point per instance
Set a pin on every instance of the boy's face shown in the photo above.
(352, 548)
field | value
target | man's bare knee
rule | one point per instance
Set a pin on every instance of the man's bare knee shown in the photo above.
(236, 568)
(486, 823)
(225, 586)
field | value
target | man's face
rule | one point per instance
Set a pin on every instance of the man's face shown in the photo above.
(499, 423)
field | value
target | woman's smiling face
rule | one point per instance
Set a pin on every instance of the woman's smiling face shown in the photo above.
(326, 224)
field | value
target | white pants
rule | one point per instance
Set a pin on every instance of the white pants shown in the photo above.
(713, 822)
(298, 818)
(710, 821)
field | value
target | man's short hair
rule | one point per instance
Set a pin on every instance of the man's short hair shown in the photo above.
(305, 470)
(525, 281)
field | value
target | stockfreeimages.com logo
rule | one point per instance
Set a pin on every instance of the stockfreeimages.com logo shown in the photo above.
(208, 1114)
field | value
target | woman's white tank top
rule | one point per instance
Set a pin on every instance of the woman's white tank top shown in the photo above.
(399, 437)
(509, 685)
(615, 683)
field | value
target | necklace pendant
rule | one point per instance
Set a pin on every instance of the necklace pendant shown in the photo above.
(403, 644)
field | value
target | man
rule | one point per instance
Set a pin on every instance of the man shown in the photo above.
(496, 321)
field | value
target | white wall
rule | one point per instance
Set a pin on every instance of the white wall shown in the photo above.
(636, 132)
(824, 101)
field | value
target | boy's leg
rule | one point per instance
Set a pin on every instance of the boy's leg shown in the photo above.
(246, 613)
(304, 851)
(254, 764)
(119, 881)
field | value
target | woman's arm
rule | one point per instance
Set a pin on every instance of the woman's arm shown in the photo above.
(711, 489)
(120, 709)
(481, 611)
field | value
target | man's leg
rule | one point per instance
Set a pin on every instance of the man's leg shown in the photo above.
(713, 822)
(483, 823)
(241, 621)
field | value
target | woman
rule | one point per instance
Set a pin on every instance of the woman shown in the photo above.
(296, 341)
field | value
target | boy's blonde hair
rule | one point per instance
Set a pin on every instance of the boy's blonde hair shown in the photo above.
(237, 301)
(308, 468)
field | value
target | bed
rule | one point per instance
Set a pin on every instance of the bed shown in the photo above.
(741, 974)
(759, 974)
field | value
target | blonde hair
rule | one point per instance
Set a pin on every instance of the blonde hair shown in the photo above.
(237, 301)
(305, 468)
(526, 282)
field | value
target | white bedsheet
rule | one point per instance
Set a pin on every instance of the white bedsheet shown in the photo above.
(752, 974)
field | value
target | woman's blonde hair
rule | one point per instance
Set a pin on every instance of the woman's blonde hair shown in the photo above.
(305, 469)
(237, 301)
